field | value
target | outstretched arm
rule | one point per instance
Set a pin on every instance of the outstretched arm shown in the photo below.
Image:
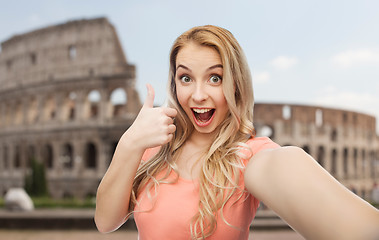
(308, 198)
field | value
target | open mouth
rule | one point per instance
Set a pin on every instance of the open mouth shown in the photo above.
(203, 116)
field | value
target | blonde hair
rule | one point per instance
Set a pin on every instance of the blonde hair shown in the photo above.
(221, 164)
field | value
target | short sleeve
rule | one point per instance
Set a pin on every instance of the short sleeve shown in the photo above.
(258, 144)
(255, 145)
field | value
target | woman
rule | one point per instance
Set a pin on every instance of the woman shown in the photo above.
(194, 169)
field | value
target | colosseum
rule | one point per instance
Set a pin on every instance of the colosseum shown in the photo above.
(67, 93)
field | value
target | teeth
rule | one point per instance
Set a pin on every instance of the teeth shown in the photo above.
(203, 110)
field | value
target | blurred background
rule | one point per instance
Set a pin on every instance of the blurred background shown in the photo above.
(73, 76)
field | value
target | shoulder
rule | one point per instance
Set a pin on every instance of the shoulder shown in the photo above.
(260, 143)
(255, 145)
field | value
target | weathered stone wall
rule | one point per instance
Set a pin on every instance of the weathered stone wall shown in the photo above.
(67, 93)
(343, 142)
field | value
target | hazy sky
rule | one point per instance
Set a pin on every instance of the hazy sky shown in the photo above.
(305, 52)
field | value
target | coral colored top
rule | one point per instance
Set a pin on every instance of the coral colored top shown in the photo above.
(175, 204)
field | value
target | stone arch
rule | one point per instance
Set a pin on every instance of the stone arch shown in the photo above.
(319, 119)
(48, 156)
(118, 100)
(72, 52)
(118, 96)
(17, 156)
(333, 168)
(364, 163)
(346, 162)
(32, 110)
(18, 113)
(92, 104)
(50, 108)
(372, 164)
(344, 117)
(5, 154)
(33, 58)
(267, 131)
(333, 135)
(91, 155)
(67, 156)
(321, 155)
(355, 161)
(286, 112)
(69, 106)
(8, 114)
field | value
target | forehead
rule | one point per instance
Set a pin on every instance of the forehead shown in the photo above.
(195, 55)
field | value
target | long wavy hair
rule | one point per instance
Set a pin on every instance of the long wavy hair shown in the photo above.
(221, 164)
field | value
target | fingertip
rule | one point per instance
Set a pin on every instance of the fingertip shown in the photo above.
(149, 102)
(171, 112)
(174, 112)
(170, 137)
(150, 89)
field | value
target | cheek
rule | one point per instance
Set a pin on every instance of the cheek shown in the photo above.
(181, 95)
(224, 108)
(221, 101)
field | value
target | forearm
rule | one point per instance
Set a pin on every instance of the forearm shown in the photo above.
(153, 127)
(113, 195)
(292, 183)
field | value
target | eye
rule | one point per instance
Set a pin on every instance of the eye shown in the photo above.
(215, 79)
(185, 79)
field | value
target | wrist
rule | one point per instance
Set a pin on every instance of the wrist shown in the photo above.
(130, 141)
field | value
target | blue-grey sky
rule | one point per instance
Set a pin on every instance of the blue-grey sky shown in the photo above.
(318, 52)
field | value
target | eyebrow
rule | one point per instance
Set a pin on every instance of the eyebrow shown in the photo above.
(216, 66)
(210, 68)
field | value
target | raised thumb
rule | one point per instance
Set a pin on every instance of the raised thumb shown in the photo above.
(149, 101)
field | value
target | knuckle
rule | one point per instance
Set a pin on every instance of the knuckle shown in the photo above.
(164, 139)
(172, 128)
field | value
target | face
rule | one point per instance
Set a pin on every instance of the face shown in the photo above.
(198, 80)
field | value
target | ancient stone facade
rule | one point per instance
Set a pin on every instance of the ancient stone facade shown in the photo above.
(67, 93)
(343, 142)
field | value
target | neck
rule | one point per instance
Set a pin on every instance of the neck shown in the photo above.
(201, 140)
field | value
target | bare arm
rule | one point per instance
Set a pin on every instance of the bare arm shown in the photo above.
(152, 127)
(113, 194)
(308, 198)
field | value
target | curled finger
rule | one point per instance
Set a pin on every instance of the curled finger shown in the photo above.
(169, 120)
(171, 128)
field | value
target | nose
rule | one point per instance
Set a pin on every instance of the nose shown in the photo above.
(199, 94)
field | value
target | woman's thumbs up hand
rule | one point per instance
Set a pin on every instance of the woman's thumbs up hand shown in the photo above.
(154, 126)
